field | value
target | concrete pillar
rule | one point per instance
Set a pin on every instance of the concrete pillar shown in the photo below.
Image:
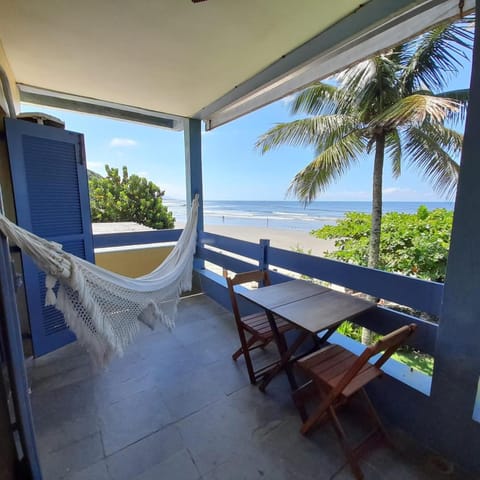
(193, 164)
(457, 356)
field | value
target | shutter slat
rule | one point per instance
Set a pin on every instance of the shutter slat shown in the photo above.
(51, 199)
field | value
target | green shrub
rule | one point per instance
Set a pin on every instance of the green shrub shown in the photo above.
(128, 199)
(411, 244)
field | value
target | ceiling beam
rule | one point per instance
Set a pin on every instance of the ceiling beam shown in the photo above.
(373, 27)
(50, 98)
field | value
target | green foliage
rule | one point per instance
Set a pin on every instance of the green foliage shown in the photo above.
(414, 359)
(128, 199)
(350, 330)
(407, 355)
(411, 244)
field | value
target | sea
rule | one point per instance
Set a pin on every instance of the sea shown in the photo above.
(288, 214)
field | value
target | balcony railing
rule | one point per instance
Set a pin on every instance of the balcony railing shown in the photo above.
(403, 386)
(237, 256)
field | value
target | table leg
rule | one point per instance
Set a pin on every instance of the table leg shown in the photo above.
(285, 355)
(284, 352)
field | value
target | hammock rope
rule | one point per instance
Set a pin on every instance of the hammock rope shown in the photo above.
(105, 310)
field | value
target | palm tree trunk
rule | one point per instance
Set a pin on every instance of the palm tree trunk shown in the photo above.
(376, 228)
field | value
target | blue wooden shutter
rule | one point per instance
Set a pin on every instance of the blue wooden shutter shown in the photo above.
(50, 187)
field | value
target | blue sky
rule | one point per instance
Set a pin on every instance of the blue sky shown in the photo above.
(232, 169)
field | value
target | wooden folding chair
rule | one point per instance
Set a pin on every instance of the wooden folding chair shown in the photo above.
(337, 374)
(254, 330)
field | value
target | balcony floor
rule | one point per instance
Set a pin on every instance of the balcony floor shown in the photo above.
(177, 407)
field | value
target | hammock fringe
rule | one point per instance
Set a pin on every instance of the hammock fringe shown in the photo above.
(106, 310)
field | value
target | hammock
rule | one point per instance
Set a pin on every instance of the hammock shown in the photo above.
(105, 310)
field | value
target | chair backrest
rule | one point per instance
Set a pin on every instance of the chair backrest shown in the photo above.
(260, 276)
(387, 344)
(390, 343)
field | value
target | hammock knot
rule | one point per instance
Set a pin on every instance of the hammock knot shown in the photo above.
(50, 297)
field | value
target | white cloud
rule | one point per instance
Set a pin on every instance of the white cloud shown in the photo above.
(398, 191)
(171, 190)
(93, 165)
(122, 142)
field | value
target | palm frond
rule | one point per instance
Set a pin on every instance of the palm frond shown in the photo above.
(416, 109)
(436, 55)
(306, 132)
(331, 163)
(431, 149)
(372, 85)
(462, 97)
(393, 148)
(321, 99)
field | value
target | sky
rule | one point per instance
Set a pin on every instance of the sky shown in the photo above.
(232, 168)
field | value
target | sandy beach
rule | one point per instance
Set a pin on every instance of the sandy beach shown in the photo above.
(286, 239)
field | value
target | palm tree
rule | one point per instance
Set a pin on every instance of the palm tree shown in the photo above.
(387, 106)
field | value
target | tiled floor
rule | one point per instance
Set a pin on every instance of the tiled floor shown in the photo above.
(176, 407)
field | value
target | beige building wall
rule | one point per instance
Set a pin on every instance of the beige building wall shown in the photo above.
(6, 67)
(132, 262)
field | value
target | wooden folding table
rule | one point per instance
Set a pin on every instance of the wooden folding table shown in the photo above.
(309, 306)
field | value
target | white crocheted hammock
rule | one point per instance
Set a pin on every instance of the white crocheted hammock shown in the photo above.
(105, 309)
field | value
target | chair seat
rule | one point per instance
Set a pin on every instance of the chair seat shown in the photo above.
(258, 324)
(330, 364)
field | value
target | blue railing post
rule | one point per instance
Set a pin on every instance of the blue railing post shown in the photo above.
(263, 257)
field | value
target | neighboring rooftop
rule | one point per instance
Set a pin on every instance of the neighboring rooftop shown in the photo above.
(119, 227)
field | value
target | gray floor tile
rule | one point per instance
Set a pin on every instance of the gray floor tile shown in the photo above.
(132, 418)
(145, 454)
(97, 471)
(177, 407)
(73, 458)
(53, 435)
(255, 466)
(63, 404)
(179, 466)
(191, 393)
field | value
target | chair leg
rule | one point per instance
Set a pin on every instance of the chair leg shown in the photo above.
(315, 417)
(301, 395)
(239, 352)
(349, 452)
(246, 355)
(375, 417)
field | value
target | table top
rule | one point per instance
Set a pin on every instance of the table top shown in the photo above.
(283, 293)
(309, 306)
(323, 311)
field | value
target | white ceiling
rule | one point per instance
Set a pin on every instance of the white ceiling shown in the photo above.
(215, 60)
(171, 56)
